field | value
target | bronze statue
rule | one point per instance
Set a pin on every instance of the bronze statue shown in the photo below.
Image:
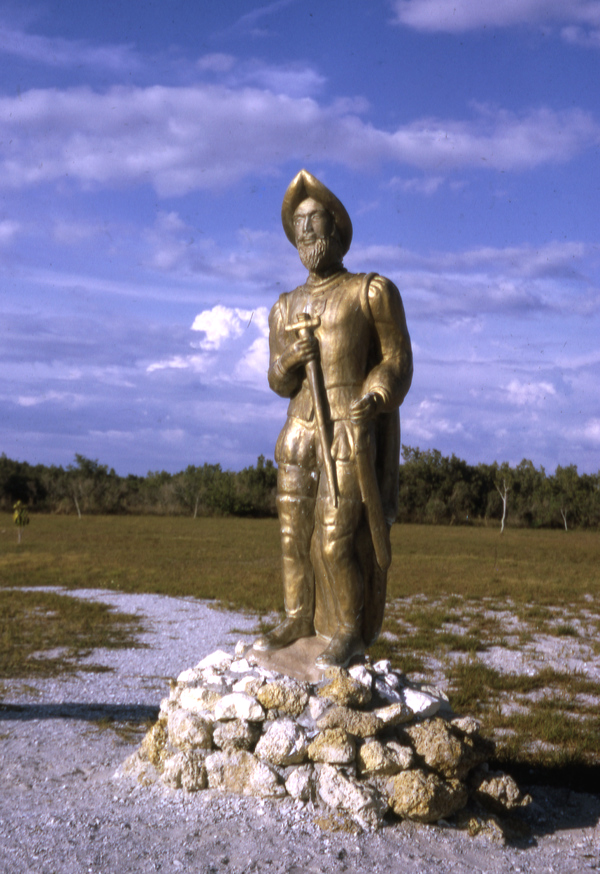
(340, 350)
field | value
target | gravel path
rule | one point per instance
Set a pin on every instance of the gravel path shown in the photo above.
(63, 811)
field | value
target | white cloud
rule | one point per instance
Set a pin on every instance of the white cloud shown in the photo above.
(216, 62)
(8, 230)
(58, 52)
(456, 16)
(234, 348)
(420, 185)
(530, 394)
(209, 136)
(64, 398)
(223, 323)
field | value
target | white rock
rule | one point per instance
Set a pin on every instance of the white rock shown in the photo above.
(268, 675)
(239, 771)
(248, 684)
(421, 703)
(361, 675)
(188, 677)
(364, 803)
(394, 714)
(217, 659)
(188, 729)
(198, 700)
(386, 692)
(382, 667)
(212, 677)
(300, 783)
(240, 666)
(393, 680)
(283, 743)
(317, 707)
(238, 705)
(240, 649)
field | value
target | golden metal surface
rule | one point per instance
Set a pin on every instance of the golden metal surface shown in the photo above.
(340, 351)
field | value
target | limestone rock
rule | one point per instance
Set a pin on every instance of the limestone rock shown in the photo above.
(356, 722)
(235, 734)
(239, 666)
(198, 699)
(497, 790)
(285, 695)
(445, 749)
(238, 705)
(185, 770)
(425, 797)
(421, 703)
(394, 714)
(383, 666)
(378, 759)
(187, 730)
(467, 724)
(364, 803)
(333, 746)
(386, 692)
(361, 675)
(153, 747)
(344, 689)
(402, 755)
(317, 707)
(300, 783)
(248, 684)
(240, 772)
(283, 743)
(189, 677)
(240, 649)
(218, 659)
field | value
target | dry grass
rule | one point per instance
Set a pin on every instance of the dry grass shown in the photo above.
(43, 634)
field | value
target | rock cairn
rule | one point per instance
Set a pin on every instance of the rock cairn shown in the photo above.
(362, 741)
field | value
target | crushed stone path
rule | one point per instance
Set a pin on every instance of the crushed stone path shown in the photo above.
(63, 811)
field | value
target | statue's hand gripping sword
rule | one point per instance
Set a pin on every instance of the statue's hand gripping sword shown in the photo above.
(304, 327)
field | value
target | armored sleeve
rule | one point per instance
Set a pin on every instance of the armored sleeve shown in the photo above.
(391, 375)
(283, 382)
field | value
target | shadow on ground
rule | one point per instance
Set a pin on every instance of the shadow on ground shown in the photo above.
(86, 712)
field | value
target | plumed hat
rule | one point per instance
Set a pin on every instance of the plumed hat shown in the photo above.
(306, 185)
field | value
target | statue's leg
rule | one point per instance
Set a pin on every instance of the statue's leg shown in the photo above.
(337, 534)
(296, 496)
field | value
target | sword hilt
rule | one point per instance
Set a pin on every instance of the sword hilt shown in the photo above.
(304, 326)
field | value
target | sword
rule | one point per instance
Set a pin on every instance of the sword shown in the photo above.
(371, 496)
(304, 328)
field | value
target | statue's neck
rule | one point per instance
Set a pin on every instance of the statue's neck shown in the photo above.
(317, 277)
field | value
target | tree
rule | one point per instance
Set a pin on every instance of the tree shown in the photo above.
(20, 518)
(503, 483)
(564, 489)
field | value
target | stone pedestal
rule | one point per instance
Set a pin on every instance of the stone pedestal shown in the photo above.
(362, 741)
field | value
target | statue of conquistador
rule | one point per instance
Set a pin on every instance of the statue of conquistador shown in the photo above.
(340, 350)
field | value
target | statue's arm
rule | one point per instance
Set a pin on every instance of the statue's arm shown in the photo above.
(390, 379)
(285, 377)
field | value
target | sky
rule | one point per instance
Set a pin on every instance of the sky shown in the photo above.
(146, 147)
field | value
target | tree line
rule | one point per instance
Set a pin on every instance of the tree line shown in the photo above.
(434, 489)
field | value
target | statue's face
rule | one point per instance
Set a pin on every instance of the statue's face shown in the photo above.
(312, 222)
(314, 233)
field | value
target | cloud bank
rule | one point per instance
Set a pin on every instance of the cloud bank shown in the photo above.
(179, 139)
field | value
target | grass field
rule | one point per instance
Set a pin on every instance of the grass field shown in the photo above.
(459, 598)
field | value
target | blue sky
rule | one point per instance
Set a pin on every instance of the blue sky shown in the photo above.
(146, 148)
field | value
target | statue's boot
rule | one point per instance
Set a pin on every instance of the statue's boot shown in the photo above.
(290, 630)
(295, 505)
(345, 644)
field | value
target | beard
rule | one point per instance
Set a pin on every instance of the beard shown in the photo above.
(321, 254)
